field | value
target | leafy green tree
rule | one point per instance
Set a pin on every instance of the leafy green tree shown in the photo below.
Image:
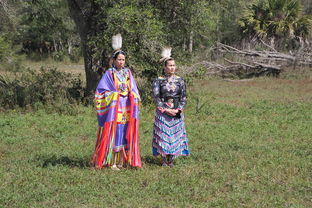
(142, 33)
(189, 24)
(141, 29)
(228, 13)
(46, 27)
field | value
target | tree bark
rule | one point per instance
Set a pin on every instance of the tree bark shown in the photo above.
(184, 44)
(70, 47)
(54, 45)
(81, 14)
(191, 42)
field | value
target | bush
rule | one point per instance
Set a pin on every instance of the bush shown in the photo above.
(59, 55)
(8, 59)
(75, 55)
(49, 87)
(4, 49)
(145, 89)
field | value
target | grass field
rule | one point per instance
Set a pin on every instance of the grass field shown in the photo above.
(250, 146)
(75, 68)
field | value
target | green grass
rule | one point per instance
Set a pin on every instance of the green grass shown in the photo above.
(250, 147)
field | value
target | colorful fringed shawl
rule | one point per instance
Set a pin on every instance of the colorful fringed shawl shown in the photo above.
(108, 95)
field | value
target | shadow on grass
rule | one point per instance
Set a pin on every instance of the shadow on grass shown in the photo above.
(45, 162)
(151, 160)
(64, 161)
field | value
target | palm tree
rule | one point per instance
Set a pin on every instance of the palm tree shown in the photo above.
(275, 21)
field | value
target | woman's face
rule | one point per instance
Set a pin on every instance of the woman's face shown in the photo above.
(119, 62)
(170, 67)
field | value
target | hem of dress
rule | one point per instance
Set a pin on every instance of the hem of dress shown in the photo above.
(162, 153)
(119, 148)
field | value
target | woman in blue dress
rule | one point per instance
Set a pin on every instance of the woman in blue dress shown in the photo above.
(169, 135)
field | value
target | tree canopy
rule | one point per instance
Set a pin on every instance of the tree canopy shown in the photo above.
(276, 20)
(64, 28)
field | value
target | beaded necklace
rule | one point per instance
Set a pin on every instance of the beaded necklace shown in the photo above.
(170, 85)
(121, 74)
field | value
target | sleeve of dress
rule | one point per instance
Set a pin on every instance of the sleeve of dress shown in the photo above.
(104, 86)
(182, 101)
(106, 83)
(156, 94)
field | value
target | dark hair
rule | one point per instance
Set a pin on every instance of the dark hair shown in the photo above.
(116, 53)
(101, 70)
(168, 59)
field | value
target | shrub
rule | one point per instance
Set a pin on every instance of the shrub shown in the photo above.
(75, 55)
(8, 59)
(46, 87)
(145, 89)
(59, 55)
(4, 49)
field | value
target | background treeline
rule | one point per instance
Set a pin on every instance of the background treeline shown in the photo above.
(41, 28)
(38, 29)
(72, 29)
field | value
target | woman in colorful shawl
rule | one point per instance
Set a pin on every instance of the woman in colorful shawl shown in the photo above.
(117, 99)
(169, 135)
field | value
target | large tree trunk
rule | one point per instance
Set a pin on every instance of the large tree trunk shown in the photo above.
(80, 11)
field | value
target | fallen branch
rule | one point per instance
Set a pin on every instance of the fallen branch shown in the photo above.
(238, 69)
(270, 47)
(301, 58)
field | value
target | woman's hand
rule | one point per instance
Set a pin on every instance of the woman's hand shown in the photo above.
(171, 112)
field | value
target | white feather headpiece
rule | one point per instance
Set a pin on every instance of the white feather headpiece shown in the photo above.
(117, 42)
(165, 54)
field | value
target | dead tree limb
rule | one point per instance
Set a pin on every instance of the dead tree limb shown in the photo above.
(300, 58)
